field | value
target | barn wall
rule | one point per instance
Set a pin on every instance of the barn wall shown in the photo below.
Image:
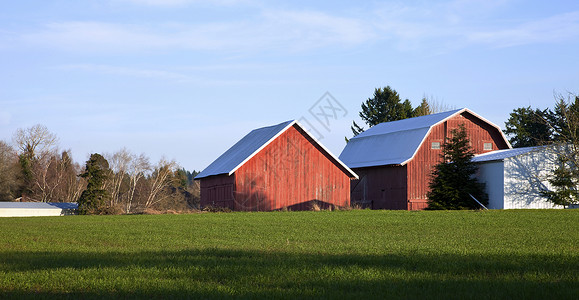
(525, 176)
(217, 191)
(292, 171)
(420, 168)
(492, 174)
(380, 187)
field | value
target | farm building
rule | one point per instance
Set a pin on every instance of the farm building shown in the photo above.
(275, 167)
(36, 209)
(394, 159)
(514, 178)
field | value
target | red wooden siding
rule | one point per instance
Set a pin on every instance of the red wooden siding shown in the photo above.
(217, 191)
(420, 167)
(380, 187)
(292, 171)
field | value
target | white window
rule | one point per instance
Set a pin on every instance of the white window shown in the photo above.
(487, 146)
(435, 145)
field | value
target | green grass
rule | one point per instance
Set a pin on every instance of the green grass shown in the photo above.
(342, 254)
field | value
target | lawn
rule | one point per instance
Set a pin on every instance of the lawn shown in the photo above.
(341, 254)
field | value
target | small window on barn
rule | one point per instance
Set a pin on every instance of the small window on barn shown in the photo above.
(435, 145)
(488, 146)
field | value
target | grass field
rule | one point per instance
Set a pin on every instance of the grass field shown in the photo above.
(341, 254)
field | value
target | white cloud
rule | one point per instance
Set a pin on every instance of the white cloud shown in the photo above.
(269, 31)
(171, 3)
(132, 72)
(563, 27)
(437, 27)
(443, 26)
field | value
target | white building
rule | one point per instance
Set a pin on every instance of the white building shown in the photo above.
(514, 178)
(36, 209)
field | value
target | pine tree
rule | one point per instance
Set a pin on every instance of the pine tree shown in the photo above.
(527, 127)
(564, 179)
(93, 200)
(453, 180)
(385, 106)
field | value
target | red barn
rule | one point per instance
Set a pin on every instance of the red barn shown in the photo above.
(275, 167)
(394, 159)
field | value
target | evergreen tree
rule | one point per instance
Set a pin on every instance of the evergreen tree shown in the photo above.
(423, 109)
(527, 127)
(93, 200)
(453, 180)
(564, 179)
(385, 106)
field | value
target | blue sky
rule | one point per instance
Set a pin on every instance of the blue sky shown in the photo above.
(186, 79)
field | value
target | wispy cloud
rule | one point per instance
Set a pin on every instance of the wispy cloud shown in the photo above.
(131, 72)
(204, 75)
(429, 27)
(172, 3)
(271, 30)
(563, 27)
(457, 24)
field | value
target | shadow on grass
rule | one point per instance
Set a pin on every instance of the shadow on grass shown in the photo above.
(218, 273)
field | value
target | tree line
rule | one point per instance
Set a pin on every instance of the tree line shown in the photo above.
(32, 168)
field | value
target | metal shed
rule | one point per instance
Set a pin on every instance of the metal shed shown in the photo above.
(514, 178)
(394, 159)
(275, 167)
(36, 209)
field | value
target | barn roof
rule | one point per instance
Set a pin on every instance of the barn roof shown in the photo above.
(253, 143)
(395, 143)
(503, 154)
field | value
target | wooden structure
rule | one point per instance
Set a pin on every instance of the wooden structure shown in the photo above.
(276, 167)
(394, 159)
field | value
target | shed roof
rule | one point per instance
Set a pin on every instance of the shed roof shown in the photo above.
(503, 154)
(39, 205)
(253, 143)
(395, 143)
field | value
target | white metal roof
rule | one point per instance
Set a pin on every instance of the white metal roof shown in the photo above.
(39, 205)
(251, 144)
(502, 154)
(395, 143)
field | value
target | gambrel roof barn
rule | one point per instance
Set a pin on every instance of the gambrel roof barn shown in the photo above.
(394, 159)
(275, 167)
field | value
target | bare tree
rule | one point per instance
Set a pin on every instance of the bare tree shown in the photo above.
(435, 105)
(37, 148)
(73, 185)
(34, 140)
(119, 163)
(48, 176)
(137, 170)
(161, 178)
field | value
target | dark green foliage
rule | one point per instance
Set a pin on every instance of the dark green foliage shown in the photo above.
(564, 121)
(26, 175)
(453, 179)
(94, 199)
(9, 173)
(423, 109)
(385, 106)
(564, 181)
(527, 127)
